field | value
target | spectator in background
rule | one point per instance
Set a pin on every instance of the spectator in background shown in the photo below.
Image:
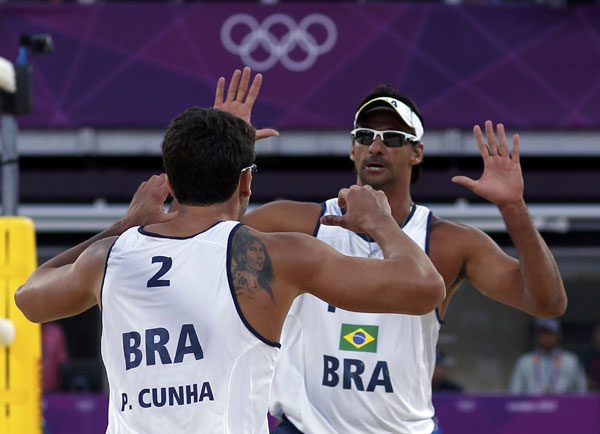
(439, 381)
(592, 360)
(54, 353)
(549, 368)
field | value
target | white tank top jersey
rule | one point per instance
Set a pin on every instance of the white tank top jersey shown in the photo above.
(349, 372)
(179, 355)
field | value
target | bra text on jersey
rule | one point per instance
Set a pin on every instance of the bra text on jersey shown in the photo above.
(155, 342)
(352, 372)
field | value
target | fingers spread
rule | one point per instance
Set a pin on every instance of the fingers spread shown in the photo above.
(254, 89)
(491, 137)
(483, 147)
(265, 133)
(464, 181)
(503, 145)
(220, 92)
(243, 87)
(515, 149)
(233, 85)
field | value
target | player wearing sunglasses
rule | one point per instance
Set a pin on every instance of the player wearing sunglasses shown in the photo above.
(348, 372)
(390, 138)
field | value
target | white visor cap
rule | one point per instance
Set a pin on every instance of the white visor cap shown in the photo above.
(405, 112)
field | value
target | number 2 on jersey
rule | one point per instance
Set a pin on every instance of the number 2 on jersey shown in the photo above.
(156, 281)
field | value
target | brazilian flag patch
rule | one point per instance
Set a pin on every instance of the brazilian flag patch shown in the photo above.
(362, 338)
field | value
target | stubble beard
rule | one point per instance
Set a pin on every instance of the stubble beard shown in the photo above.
(377, 184)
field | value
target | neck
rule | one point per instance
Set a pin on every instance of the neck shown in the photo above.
(400, 201)
(221, 211)
(398, 195)
(193, 219)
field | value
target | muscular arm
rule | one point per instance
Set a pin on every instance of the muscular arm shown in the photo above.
(66, 284)
(146, 207)
(404, 282)
(397, 284)
(532, 283)
(285, 216)
(54, 292)
(541, 288)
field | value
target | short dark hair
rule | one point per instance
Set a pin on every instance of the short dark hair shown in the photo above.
(389, 90)
(204, 151)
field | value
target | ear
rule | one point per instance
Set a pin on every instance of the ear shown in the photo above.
(170, 187)
(352, 149)
(245, 184)
(416, 155)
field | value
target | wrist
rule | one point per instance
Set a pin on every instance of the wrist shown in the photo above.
(381, 226)
(120, 226)
(516, 205)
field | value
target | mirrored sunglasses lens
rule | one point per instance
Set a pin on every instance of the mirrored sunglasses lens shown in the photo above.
(364, 137)
(394, 140)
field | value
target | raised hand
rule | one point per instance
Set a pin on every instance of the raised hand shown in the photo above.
(502, 180)
(365, 209)
(147, 204)
(240, 100)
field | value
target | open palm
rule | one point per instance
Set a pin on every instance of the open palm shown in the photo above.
(240, 100)
(502, 179)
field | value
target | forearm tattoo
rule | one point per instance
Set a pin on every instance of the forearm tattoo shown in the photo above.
(251, 268)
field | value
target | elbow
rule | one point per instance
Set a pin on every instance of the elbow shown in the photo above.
(432, 294)
(554, 306)
(21, 302)
(560, 307)
(553, 309)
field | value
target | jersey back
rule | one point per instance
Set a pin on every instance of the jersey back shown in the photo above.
(179, 355)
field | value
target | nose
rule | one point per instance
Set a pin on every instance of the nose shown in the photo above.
(377, 146)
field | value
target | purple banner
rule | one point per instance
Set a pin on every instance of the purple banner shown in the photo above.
(75, 413)
(510, 414)
(138, 65)
(85, 413)
(81, 413)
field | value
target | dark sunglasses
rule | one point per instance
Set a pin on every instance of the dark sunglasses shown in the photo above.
(390, 138)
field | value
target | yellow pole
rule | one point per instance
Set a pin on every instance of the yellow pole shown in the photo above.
(20, 361)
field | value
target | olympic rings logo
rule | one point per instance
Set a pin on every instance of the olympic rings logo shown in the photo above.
(278, 49)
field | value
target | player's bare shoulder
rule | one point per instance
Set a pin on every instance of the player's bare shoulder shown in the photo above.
(450, 244)
(251, 267)
(450, 236)
(260, 270)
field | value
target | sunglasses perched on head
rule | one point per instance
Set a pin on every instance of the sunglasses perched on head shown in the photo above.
(390, 138)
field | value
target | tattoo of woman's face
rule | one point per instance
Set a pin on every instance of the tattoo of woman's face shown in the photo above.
(251, 268)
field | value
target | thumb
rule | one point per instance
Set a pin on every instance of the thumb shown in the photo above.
(264, 133)
(166, 217)
(332, 220)
(464, 181)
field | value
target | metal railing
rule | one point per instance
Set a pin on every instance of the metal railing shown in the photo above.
(449, 142)
(559, 218)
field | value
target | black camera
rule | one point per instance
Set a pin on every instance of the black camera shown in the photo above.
(21, 102)
(40, 43)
